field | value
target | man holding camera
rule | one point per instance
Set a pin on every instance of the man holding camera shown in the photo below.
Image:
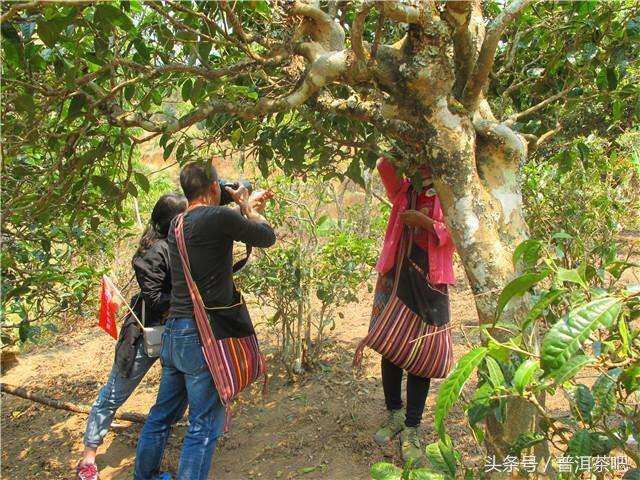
(209, 231)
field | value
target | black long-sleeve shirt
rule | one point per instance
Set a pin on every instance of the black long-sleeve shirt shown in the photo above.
(209, 233)
(154, 278)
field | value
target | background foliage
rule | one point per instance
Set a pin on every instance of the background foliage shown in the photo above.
(566, 75)
(319, 264)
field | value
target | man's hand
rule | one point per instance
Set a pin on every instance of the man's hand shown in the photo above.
(239, 195)
(258, 199)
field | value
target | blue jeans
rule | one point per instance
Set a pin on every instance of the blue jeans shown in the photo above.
(185, 379)
(112, 395)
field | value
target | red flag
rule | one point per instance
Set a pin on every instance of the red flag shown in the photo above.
(108, 308)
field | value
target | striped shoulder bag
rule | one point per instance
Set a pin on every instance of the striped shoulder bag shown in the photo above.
(401, 335)
(229, 342)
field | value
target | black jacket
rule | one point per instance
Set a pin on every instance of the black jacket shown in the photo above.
(154, 279)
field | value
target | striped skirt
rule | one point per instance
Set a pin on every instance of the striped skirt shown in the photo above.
(401, 336)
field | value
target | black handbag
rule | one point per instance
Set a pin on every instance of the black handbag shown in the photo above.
(430, 303)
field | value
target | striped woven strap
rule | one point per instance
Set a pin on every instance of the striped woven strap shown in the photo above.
(212, 352)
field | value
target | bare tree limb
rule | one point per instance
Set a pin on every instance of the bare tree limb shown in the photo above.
(513, 141)
(357, 30)
(548, 135)
(468, 34)
(19, 7)
(320, 26)
(531, 110)
(326, 68)
(245, 38)
(62, 405)
(486, 57)
(238, 29)
(332, 8)
(410, 12)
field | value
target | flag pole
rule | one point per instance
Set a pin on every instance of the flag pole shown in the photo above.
(123, 299)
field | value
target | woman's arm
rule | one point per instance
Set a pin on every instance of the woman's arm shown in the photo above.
(390, 179)
(416, 218)
(438, 228)
(420, 219)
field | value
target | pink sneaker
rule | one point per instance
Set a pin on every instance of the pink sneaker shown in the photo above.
(88, 471)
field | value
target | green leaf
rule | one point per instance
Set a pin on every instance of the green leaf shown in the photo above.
(196, 91)
(452, 386)
(570, 369)
(498, 351)
(481, 404)
(142, 49)
(571, 276)
(24, 103)
(204, 49)
(528, 251)
(107, 14)
(584, 402)
(633, 474)
(23, 331)
(424, 474)
(580, 444)
(518, 287)
(75, 107)
(129, 92)
(630, 378)
(441, 458)
(186, 90)
(601, 444)
(354, 172)
(612, 78)
(106, 184)
(180, 151)
(540, 306)
(50, 30)
(385, 471)
(566, 337)
(604, 391)
(524, 374)
(496, 377)
(525, 441)
(260, 6)
(142, 181)
(167, 150)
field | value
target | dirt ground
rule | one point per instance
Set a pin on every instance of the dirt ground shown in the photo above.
(318, 427)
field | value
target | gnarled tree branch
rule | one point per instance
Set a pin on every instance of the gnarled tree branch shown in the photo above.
(468, 34)
(406, 12)
(486, 57)
(367, 111)
(320, 26)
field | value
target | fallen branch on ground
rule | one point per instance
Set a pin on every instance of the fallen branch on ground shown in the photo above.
(62, 405)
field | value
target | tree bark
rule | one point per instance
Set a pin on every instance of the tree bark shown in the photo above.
(476, 175)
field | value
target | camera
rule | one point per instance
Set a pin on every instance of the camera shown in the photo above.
(225, 197)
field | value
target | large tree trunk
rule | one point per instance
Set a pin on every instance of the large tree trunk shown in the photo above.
(475, 169)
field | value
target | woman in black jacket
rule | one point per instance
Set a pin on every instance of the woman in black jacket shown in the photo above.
(151, 266)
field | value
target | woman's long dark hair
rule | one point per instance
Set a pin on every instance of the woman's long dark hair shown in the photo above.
(166, 209)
